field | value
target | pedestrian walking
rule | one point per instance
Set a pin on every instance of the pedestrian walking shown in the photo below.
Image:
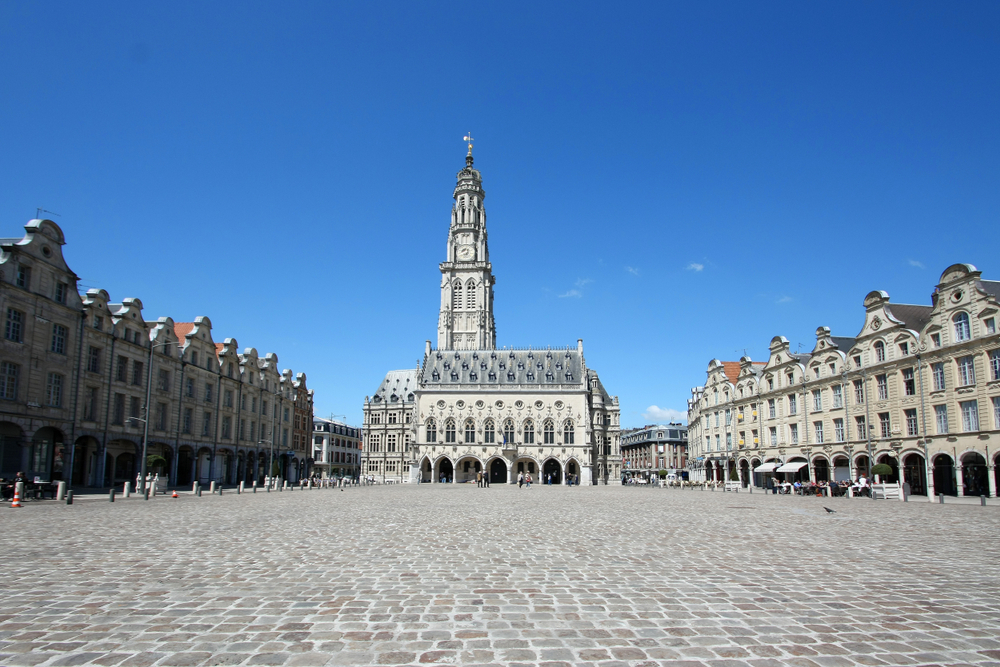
(486, 480)
(520, 479)
(527, 481)
(479, 479)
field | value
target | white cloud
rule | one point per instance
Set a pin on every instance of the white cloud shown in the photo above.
(917, 264)
(655, 413)
(694, 266)
(580, 282)
(575, 293)
(631, 269)
(784, 299)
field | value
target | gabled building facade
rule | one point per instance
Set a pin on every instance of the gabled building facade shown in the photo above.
(918, 389)
(76, 371)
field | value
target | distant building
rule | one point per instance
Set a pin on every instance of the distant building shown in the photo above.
(336, 448)
(472, 407)
(649, 449)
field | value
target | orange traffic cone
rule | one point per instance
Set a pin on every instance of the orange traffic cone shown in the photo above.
(174, 494)
(17, 498)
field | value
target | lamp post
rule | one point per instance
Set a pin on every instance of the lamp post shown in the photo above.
(145, 428)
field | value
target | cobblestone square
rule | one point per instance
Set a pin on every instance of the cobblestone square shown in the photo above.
(453, 574)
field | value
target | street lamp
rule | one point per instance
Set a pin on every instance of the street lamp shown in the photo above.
(145, 428)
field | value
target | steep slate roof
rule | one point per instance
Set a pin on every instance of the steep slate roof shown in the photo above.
(991, 287)
(914, 317)
(842, 342)
(474, 367)
(397, 387)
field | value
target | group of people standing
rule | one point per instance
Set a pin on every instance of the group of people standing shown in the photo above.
(482, 480)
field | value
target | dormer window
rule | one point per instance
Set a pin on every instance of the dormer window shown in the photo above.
(447, 365)
(454, 376)
(520, 366)
(493, 376)
(482, 366)
(904, 348)
(558, 365)
(502, 365)
(473, 376)
(569, 376)
(549, 377)
(510, 376)
(531, 376)
(435, 376)
(465, 366)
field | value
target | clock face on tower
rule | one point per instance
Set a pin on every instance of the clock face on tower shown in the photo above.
(466, 253)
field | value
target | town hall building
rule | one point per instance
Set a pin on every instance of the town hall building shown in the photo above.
(471, 407)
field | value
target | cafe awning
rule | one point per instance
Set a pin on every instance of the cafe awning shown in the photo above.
(766, 467)
(792, 467)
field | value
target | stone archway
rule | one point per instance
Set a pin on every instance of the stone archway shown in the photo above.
(498, 471)
(975, 477)
(944, 475)
(745, 473)
(915, 473)
(572, 472)
(890, 461)
(426, 471)
(45, 459)
(467, 468)
(85, 461)
(445, 471)
(551, 472)
(822, 469)
(526, 466)
(185, 465)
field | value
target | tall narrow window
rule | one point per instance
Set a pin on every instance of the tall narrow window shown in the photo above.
(995, 364)
(793, 404)
(937, 370)
(911, 421)
(970, 415)
(817, 400)
(54, 390)
(548, 432)
(508, 432)
(137, 367)
(94, 359)
(885, 426)
(449, 431)
(15, 325)
(431, 431)
(529, 432)
(456, 295)
(59, 333)
(862, 427)
(966, 371)
(793, 432)
(838, 396)
(962, 332)
(859, 392)
(996, 411)
(470, 295)
(60, 295)
(818, 432)
(489, 432)
(470, 431)
(8, 380)
(882, 386)
(838, 430)
(118, 414)
(24, 276)
(909, 386)
(568, 433)
(941, 418)
(879, 351)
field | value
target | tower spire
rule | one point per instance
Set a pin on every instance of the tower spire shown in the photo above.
(468, 157)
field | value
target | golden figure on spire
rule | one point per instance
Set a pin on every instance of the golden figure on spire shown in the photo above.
(468, 138)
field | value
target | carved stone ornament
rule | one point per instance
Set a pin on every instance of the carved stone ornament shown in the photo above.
(876, 322)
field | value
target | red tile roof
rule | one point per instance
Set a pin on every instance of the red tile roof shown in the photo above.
(182, 329)
(731, 369)
(219, 347)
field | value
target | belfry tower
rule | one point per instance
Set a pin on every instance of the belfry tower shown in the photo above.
(466, 319)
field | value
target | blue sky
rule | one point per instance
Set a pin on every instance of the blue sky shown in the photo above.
(669, 182)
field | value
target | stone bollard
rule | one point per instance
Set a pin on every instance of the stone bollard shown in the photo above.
(240, 489)
(941, 498)
(199, 491)
(220, 489)
(982, 500)
(211, 487)
(69, 497)
(61, 490)
(194, 487)
(145, 493)
(111, 495)
(126, 490)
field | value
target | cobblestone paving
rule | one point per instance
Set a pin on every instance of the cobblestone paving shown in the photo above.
(458, 575)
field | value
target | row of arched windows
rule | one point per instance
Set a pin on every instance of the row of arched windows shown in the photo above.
(470, 295)
(490, 434)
